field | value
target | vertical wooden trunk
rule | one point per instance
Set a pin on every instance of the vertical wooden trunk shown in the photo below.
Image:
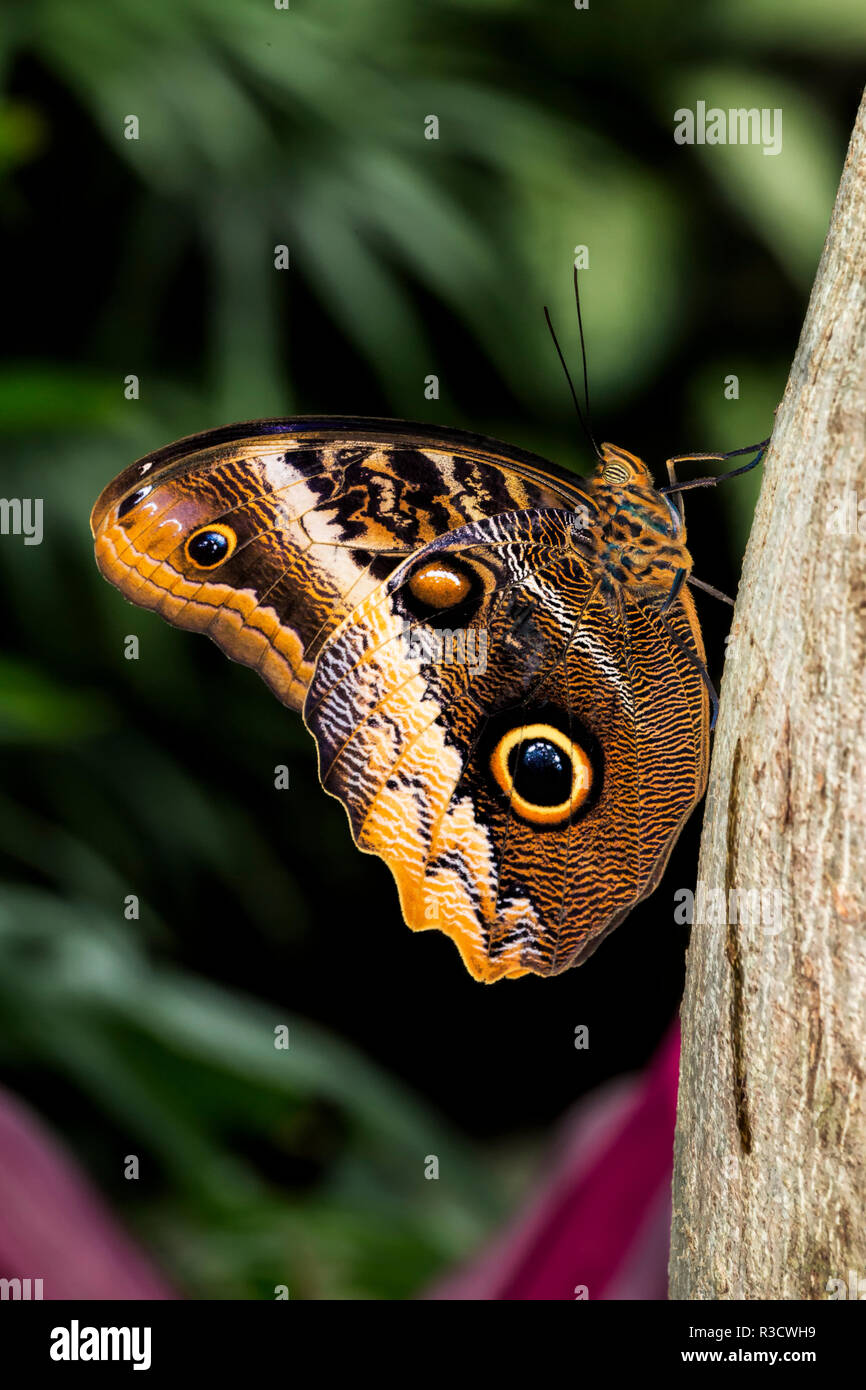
(770, 1162)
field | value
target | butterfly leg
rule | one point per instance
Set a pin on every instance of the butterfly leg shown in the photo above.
(675, 484)
(677, 487)
(708, 589)
(679, 579)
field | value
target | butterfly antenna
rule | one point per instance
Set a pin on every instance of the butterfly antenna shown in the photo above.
(585, 372)
(580, 414)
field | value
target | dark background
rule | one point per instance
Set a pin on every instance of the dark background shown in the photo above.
(155, 257)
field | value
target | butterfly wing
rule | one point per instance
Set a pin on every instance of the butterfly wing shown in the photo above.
(297, 521)
(295, 545)
(412, 746)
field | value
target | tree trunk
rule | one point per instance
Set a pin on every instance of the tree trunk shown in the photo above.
(770, 1155)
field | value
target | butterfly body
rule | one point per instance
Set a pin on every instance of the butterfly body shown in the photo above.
(638, 535)
(524, 801)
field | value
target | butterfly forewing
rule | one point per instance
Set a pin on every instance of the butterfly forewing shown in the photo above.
(319, 512)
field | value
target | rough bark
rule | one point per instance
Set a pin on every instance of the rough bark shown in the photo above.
(770, 1157)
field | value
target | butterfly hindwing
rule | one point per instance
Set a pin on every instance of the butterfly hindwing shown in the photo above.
(408, 744)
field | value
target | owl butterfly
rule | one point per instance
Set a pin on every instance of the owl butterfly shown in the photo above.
(499, 661)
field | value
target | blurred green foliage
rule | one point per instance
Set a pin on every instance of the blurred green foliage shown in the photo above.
(189, 1070)
(155, 256)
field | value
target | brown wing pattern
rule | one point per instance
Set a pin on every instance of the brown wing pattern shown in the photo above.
(406, 744)
(319, 512)
(524, 801)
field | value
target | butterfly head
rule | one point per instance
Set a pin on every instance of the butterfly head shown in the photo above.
(619, 468)
(641, 540)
